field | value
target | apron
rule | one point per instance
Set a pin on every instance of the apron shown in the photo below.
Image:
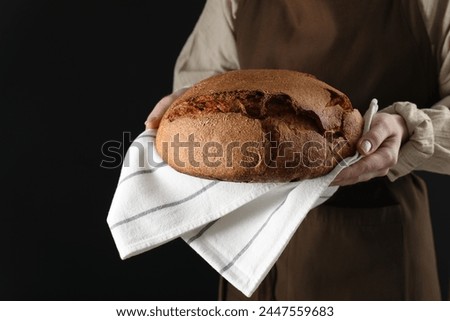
(372, 240)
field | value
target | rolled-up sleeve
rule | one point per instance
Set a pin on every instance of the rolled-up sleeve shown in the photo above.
(428, 147)
(210, 48)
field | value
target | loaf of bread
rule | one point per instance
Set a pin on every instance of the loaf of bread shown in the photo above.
(259, 125)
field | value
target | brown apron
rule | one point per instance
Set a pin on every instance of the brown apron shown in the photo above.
(373, 240)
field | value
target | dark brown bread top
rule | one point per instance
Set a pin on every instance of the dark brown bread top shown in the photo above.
(299, 126)
(306, 92)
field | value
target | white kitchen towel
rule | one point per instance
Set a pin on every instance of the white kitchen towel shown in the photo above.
(240, 229)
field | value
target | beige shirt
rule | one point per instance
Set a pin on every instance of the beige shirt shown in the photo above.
(211, 49)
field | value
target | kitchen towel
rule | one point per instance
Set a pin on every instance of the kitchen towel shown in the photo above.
(240, 229)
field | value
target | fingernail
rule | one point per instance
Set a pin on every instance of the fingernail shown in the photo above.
(366, 146)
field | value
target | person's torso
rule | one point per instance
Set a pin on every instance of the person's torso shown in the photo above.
(367, 49)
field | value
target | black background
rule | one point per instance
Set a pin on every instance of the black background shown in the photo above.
(74, 75)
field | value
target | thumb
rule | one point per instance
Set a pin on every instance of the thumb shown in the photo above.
(157, 113)
(372, 139)
(365, 146)
(155, 116)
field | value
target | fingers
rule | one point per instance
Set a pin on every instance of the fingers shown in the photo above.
(369, 167)
(380, 148)
(383, 126)
(155, 116)
(158, 111)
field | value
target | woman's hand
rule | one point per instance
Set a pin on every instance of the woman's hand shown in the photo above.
(154, 118)
(379, 146)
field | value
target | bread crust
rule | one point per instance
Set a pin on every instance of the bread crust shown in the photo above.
(259, 125)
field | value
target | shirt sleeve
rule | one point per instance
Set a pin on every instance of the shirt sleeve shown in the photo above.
(428, 147)
(210, 49)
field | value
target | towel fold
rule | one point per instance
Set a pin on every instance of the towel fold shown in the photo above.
(240, 229)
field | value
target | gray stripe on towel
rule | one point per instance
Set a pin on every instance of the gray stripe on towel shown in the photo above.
(144, 171)
(160, 207)
(201, 232)
(245, 248)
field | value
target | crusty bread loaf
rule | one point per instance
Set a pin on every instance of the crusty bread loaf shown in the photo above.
(259, 125)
